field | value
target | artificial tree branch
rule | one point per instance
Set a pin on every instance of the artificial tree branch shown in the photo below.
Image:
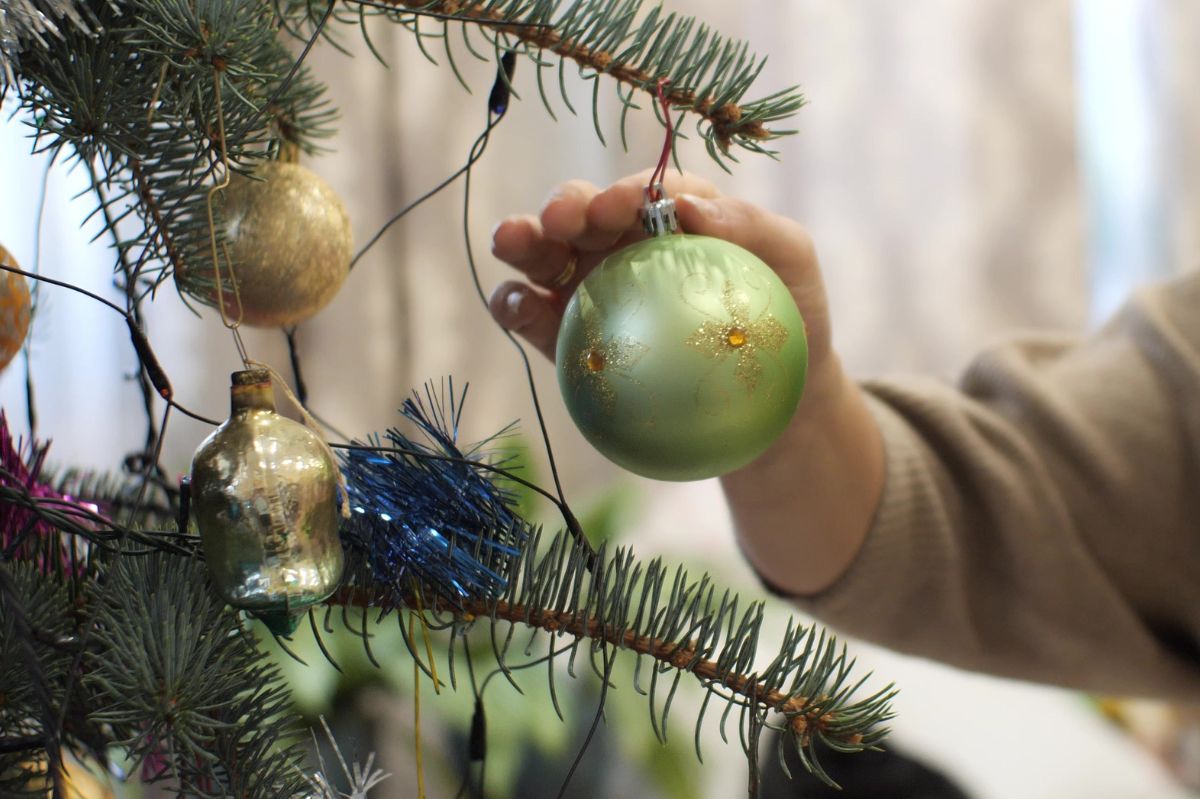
(728, 119)
(805, 715)
(133, 305)
(160, 227)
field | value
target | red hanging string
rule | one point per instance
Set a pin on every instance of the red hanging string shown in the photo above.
(660, 171)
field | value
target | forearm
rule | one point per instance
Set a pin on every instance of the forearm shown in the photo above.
(1038, 519)
(803, 509)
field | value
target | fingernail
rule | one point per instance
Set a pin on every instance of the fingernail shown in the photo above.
(513, 303)
(706, 208)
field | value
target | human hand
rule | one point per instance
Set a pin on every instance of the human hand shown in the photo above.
(583, 221)
(801, 509)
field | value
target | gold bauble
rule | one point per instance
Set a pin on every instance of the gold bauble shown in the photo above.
(264, 495)
(15, 308)
(289, 245)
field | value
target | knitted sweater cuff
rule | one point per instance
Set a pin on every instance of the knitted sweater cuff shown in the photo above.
(878, 576)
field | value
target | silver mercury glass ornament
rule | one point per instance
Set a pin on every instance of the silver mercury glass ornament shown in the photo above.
(264, 495)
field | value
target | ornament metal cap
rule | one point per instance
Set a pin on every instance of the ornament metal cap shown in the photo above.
(658, 212)
(251, 388)
(249, 377)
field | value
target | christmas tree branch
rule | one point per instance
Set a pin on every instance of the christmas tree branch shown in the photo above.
(678, 624)
(141, 94)
(33, 619)
(158, 230)
(807, 716)
(707, 75)
(433, 530)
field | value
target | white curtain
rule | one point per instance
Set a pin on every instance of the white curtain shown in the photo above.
(940, 166)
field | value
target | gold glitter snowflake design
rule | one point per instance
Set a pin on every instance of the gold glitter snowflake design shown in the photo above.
(741, 337)
(602, 358)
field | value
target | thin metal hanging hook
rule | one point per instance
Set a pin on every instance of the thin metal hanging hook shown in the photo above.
(232, 325)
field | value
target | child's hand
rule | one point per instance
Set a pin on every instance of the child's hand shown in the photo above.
(582, 222)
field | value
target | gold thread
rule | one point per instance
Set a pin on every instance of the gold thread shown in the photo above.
(437, 689)
(309, 421)
(412, 616)
(212, 232)
(162, 77)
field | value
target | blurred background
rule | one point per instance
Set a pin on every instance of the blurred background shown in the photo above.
(968, 171)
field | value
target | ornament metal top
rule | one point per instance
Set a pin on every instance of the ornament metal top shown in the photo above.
(681, 357)
(264, 494)
(658, 212)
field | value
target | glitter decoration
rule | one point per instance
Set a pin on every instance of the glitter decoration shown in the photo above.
(362, 779)
(604, 358)
(740, 336)
(289, 247)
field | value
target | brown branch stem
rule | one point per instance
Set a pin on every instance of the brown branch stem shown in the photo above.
(726, 120)
(147, 198)
(804, 714)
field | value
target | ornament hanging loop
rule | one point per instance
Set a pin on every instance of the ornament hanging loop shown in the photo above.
(658, 212)
(220, 186)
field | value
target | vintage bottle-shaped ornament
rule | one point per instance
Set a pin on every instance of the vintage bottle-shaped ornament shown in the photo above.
(681, 357)
(264, 495)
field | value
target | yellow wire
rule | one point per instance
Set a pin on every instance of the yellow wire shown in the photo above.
(417, 709)
(162, 77)
(437, 688)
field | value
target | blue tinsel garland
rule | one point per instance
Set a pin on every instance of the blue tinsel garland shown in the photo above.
(443, 524)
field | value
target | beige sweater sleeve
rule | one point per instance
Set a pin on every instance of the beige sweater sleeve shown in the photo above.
(1042, 521)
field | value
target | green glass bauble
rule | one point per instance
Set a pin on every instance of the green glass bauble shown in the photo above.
(682, 357)
(264, 495)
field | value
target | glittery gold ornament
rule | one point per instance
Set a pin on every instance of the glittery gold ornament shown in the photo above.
(682, 357)
(289, 246)
(264, 497)
(15, 309)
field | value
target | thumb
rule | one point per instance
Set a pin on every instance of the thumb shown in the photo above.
(531, 315)
(782, 243)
